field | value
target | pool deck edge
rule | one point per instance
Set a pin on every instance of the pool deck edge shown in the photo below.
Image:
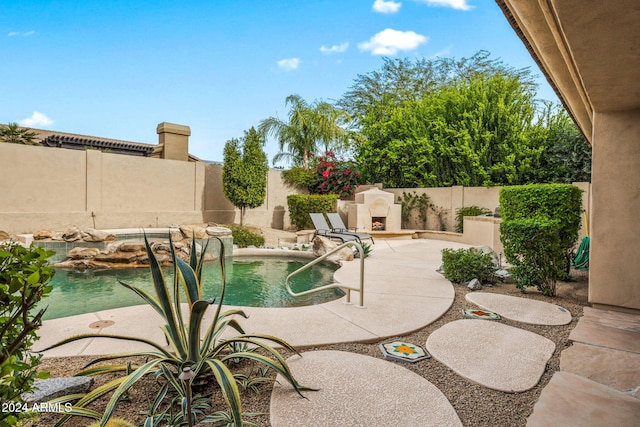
(400, 278)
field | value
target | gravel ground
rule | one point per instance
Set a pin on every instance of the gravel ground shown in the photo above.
(475, 404)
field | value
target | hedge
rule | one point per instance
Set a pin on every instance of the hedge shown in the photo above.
(561, 202)
(532, 246)
(301, 205)
(540, 224)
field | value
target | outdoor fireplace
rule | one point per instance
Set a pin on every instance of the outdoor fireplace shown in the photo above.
(374, 210)
(378, 223)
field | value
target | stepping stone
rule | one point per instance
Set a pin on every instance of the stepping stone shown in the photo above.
(570, 400)
(492, 354)
(475, 313)
(401, 351)
(357, 390)
(523, 310)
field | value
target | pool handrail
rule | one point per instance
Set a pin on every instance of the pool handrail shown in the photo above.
(333, 285)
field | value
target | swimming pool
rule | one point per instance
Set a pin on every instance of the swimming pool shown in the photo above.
(251, 281)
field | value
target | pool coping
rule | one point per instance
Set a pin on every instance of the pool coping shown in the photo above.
(403, 293)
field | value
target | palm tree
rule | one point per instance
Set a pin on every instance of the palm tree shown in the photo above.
(15, 134)
(307, 126)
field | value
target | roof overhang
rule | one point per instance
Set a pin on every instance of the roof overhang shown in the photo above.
(589, 50)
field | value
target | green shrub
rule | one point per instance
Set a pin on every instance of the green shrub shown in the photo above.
(462, 265)
(300, 177)
(244, 238)
(468, 211)
(198, 355)
(24, 274)
(560, 202)
(301, 205)
(532, 246)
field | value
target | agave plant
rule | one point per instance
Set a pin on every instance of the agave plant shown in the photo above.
(206, 355)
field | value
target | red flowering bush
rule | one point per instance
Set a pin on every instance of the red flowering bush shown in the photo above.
(335, 176)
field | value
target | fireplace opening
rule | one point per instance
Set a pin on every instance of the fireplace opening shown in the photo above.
(378, 223)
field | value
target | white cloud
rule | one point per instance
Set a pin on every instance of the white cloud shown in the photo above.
(455, 4)
(382, 6)
(337, 48)
(389, 42)
(36, 119)
(18, 33)
(289, 64)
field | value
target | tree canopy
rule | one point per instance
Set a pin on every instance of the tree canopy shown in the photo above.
(401, 80)
(309, 128)
(244, 174)
(472, 122)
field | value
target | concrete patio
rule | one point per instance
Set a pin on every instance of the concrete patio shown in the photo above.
(400, 279)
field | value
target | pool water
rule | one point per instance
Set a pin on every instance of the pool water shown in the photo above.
(251, 281)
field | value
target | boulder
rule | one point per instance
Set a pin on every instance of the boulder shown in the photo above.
(189, 231)
(93, 235)
(117, 257)
(474, 285)
(4, 235)
(131, 247)
(86, 264)
(71, 235)
(112, 247)
(489, 250)
(176, 235)
(218, 231)
(82, 253)
(322, 245)
(46, 390)
(161, 247)
(503, 275)
(43, 234)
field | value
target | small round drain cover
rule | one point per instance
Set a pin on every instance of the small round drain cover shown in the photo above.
(101, 324)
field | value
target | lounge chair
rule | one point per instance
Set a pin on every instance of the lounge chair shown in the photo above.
(338, 227)
(323, 229)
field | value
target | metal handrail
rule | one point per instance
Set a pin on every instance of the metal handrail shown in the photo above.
(333, 285)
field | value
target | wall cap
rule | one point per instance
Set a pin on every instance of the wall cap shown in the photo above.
(166, 127)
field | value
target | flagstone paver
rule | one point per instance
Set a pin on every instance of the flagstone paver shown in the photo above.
(491, 354)
(523, 310)
(354, 389)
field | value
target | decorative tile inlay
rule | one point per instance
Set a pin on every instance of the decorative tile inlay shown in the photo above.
(476, 313)
(401, 351)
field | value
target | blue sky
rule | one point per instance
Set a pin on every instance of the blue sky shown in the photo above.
(116, 69)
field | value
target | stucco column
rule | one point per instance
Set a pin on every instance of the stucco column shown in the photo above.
(614, 266)
(175, 141)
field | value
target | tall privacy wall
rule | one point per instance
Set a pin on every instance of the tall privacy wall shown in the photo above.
(44, 187)
(53, 188)
(273, 213)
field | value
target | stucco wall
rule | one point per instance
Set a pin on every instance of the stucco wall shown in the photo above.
(449, 199)
(615, 251)
(273, 213)
(54, 188)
